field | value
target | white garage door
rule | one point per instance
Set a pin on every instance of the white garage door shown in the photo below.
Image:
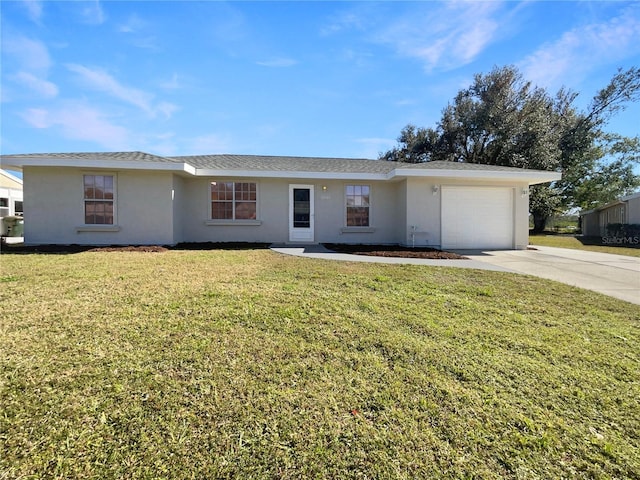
(477, 218)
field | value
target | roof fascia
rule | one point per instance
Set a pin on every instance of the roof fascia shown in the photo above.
(11, 177)
(621, 201)
(102, 164)
(630, 197)
(531, 177)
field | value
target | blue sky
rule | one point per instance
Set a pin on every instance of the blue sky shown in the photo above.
(283, 78)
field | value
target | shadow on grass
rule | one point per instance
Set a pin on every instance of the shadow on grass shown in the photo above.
(70, 249)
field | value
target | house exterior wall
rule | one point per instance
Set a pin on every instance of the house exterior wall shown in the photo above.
(162, 207)
(633, 210)
(179, 212)
(613, 214)
(422, 227)
(273, 213)
(590, 224)
(54, 211)
(424, 207)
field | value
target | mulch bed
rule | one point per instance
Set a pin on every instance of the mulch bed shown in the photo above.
(62, 249)
(394, 251)
(373, 250)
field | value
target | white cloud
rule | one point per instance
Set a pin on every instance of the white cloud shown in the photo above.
(172, 84)
(80, 122)
(42, 87)
(34, 10)
(102, 81)
(443, 35)
(31, 55)
(277, 62)
(344, 21)
(30, 61)
(167, 109)
(133, 24)
(92, 12)
(582, 50)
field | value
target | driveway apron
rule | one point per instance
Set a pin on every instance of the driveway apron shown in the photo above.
(614, 275)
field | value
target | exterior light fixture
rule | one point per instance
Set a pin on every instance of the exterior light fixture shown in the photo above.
(324, 188)
(525, 192)
(435, 189)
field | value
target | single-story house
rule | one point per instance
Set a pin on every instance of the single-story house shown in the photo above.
(138, 198)
(623, 210)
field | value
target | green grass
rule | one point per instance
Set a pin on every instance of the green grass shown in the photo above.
(247, 364)
(574, 243)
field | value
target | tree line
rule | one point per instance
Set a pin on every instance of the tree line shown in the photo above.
(502, 119)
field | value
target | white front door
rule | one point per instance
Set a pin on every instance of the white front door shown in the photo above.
(301, 214)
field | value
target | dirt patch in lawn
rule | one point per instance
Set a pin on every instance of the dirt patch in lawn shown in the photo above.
(394, 251)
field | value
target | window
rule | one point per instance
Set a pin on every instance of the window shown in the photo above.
(4, 206)
(98, 199)
(357, 197)
(17, 207)
(233, 201)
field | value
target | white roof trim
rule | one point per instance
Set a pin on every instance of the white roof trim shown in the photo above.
(532, 177)
(106, 164)
(630, 197)
(11, 177)
(518, 175)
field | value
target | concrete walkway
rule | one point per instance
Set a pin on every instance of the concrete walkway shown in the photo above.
(318, 251)
(614, 275)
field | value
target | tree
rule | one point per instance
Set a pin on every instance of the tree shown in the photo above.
(501, 119)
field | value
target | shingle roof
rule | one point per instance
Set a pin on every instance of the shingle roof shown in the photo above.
(84, 156)
(287, 164)
(263, 165)
(456, 166)
(322, 164)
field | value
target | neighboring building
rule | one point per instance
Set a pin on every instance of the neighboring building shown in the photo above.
(623, 210)
(139, 198)
(10, 195)
(10, 200)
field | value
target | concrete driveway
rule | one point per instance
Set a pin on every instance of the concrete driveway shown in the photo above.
(614, 275)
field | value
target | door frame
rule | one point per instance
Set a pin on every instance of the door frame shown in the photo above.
(297, 234)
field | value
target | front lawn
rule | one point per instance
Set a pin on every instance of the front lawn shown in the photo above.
(248, 364)
(569, 241)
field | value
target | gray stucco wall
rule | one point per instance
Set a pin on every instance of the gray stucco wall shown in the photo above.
(424, 210)
(178, 208)
(54, 209)
(273, 213)
(166, 208)
(633, 211)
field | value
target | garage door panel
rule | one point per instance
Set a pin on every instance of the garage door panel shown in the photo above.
(477, 217)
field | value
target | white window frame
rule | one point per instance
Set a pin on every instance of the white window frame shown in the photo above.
(346, 206)
(233, 221)
(114, 201)
(5, 210)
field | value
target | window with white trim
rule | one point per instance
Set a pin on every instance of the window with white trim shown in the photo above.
(357, 200)
(4, 206)
(99, 199)
(234, 200)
